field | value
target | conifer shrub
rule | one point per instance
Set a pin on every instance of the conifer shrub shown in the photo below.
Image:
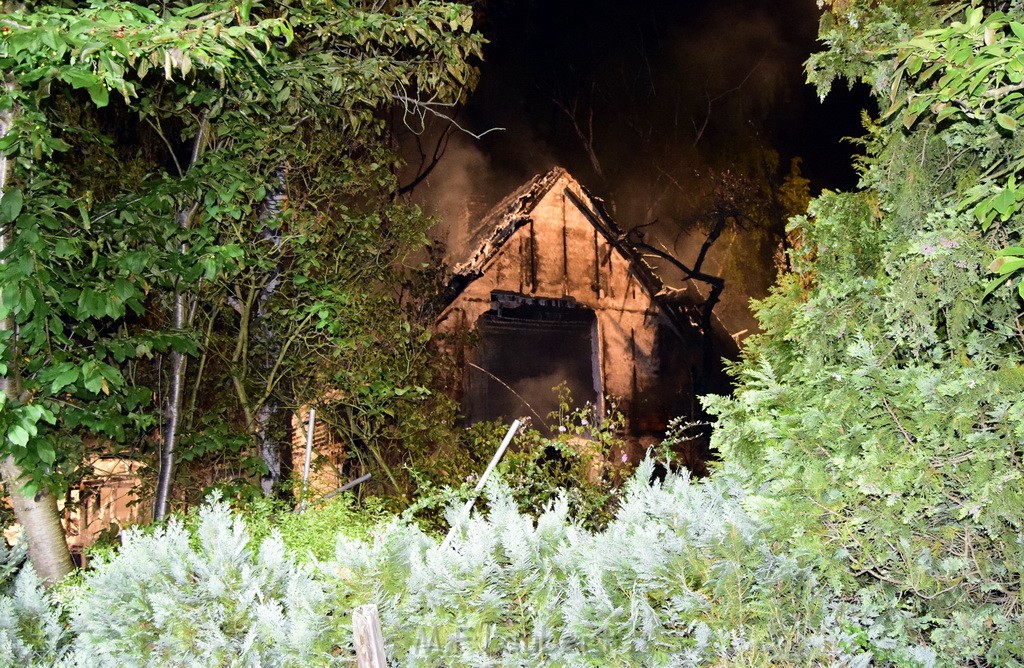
(32, 631)
(684, 575)
(171, 598)
(879, 416)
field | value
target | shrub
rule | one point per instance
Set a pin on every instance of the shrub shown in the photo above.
(31, 629)
(686, 574)
(881, 407)
(173, 599)
(683, 576)
(570, 461)
(311, 534)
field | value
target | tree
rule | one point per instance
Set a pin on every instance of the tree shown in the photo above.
(124, 213)
(879, 415)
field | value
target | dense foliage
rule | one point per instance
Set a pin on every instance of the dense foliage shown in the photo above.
(879, 415)
(201, 229)
(579, 459)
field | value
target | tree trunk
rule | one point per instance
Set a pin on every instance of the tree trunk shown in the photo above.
(38, 515)
(182, 319)
(272, 431)
(272, 427)
(172, 419)
(40, 522)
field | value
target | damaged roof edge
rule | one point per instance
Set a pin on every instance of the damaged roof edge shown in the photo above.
(515, 211)
(616, 238)
(503, 220)
(647, 275)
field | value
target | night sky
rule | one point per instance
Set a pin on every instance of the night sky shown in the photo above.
(648, 71)
(664, 94)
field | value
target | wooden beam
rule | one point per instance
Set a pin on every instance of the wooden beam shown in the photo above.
(368, 638)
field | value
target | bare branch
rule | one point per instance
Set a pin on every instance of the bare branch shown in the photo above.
(586, 137)
(427, 165)
(712, 99)
(434, 108)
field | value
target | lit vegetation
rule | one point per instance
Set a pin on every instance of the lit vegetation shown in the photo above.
(867, 509)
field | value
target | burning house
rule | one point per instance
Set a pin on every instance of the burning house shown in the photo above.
(553, 293)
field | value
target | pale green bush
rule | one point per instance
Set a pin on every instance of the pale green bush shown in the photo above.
(171, 599)
(683, 576)
(31, 629)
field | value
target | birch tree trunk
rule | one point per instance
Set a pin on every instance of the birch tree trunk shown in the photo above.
(265, 414)
(272, 431)
(37, 515)
(179, 362)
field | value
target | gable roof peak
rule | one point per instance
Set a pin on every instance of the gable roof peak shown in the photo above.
(515, 211)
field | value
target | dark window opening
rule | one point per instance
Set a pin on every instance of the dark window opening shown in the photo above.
(528, 346)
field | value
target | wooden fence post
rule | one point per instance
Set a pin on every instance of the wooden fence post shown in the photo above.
(369, 640)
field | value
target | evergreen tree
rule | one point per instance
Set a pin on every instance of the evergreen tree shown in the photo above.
(879, 417)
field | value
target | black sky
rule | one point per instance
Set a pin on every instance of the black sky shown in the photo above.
(652, 73)
(664, 92)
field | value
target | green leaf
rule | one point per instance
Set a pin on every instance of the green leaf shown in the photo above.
(64, 248)
(18, 435)
(91, 304)
(946, 112)
(960, 54)
(99, 94)
(1005, 202)
(66, 377)
(45, 452)
(992, 286)
(1007, 123)
(93, 380)
(79, 77)
(1006, 265)
(28, 300)
(10, 205)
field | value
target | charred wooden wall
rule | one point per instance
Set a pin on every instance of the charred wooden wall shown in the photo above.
(554, 247)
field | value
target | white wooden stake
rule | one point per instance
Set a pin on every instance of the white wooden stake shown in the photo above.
(487, 473)
(309, 456)
(494, 462)
(369, 640)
